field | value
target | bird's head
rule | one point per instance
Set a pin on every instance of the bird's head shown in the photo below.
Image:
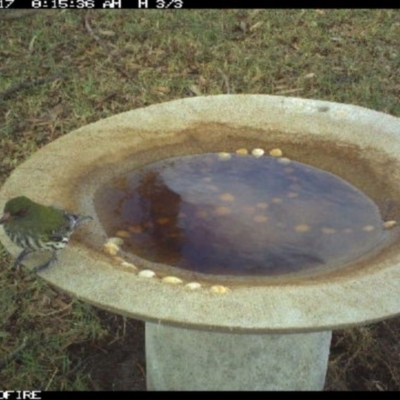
(16, 208)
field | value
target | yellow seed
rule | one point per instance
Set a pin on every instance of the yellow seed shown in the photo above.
(115, 240)
(389, 224)
(147, 273)
(224, 156)
(122, 234)
(302, 228)
(219, 289)
(260, 218)
(328, 231)
(111, 248)
(276, 200)
(172, 279)
(112, 245)
(262, 205)
(242, 152)
(257, 152)
(283, 160)
(119, 260)
(292, 194)
(129, 265)
(226, 197)
(368, 228)
(193, 285)
(276, 153)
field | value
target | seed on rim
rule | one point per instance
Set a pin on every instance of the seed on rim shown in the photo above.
(193, 285)
(111, 249)
(389, 224)
(172, 279)
(242, 152)
(257, 152)
(115, 240)
(219, 289)
(276, 153)
(147, 273)
(224, 156)
(129, 265)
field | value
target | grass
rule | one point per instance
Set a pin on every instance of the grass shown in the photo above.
(99, 64)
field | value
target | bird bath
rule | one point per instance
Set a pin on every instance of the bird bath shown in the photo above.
(230, 324)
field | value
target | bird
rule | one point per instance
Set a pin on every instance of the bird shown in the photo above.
(36, 227)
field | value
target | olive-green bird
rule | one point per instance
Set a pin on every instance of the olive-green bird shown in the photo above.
(35, 227)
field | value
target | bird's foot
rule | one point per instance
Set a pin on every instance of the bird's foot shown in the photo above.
(82, 219)
(20, 257)
(46, 264)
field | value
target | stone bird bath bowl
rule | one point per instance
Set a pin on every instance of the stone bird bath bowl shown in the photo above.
(240, 284)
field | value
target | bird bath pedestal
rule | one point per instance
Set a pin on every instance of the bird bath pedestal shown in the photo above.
(215, 332)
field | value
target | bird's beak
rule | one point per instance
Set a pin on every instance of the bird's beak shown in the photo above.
(6, 216)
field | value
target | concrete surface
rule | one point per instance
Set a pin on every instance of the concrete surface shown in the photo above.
(184, 359)
(360, 145)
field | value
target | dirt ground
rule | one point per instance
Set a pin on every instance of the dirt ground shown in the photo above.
(125, 357)
(361, 358)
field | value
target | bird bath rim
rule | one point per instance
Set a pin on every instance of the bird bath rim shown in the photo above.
(56, 174)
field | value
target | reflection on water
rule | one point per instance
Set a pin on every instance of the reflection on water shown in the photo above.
(240, 215)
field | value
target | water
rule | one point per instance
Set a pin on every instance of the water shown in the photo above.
(240, 215)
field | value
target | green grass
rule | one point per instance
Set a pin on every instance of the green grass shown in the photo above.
(143, 57)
